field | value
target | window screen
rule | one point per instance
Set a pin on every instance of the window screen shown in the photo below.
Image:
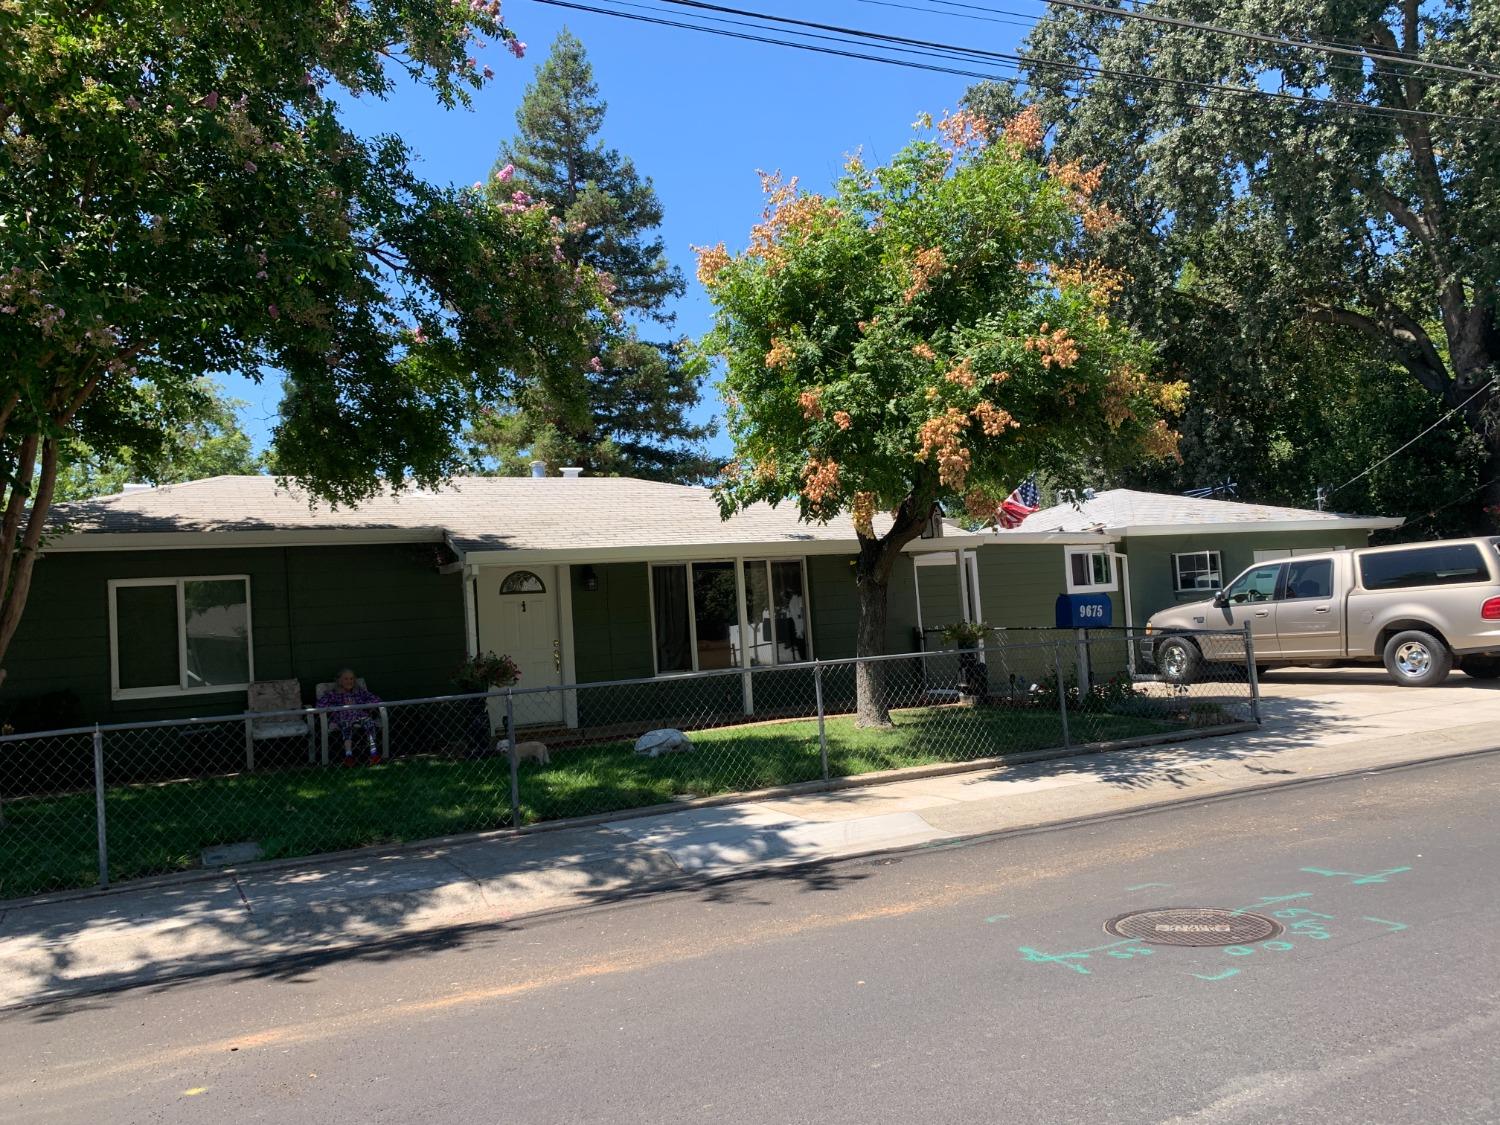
(216, 620)
(1423, 566)
(146, 636)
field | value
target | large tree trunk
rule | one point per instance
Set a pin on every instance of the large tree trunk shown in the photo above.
(872, 579)
(872, 707)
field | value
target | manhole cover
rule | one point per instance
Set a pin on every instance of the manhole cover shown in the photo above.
(1193, 926)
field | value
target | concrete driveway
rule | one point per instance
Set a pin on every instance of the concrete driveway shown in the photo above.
(1354, 704)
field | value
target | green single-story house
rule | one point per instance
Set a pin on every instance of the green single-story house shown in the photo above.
(1155, 550)
(168, 602)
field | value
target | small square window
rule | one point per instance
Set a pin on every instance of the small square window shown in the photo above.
(1197, 571)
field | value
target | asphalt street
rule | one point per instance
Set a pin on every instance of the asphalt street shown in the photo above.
(953, 983)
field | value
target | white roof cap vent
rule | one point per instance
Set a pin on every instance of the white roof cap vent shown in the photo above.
(137, 487)
(572, 472)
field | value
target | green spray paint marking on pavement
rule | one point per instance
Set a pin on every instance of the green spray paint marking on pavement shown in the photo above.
(1396, 927)
(1067, 960)
(1143, 886)
(996, 917)
(1225, 975)
(1355, 878)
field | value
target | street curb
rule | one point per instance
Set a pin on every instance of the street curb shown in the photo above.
(718, 800)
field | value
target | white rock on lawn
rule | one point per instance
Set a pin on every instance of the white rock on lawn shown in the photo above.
(657, 742)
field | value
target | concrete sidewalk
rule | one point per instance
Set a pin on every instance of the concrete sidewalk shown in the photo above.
(1316, 726)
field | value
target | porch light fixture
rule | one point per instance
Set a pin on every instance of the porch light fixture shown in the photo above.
(588, 579)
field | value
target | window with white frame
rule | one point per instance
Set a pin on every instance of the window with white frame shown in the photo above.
(1090, 571)
(697, 609)
(1197, 570)
(173, 636)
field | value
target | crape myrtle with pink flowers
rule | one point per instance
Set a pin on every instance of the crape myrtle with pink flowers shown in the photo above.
(179, 195)
(926, 337)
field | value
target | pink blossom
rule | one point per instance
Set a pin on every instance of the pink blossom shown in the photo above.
(250, 166)
(131, 103)
(471, 62)
(596, 364)
(494, 8)
(517, 48)
(7, 309)
(418, 336)
(520, 197)
(489, 73)
(261, 275)
(307, 78)
(211, 100)
(274, 311)
(478, 186)
(506, 173)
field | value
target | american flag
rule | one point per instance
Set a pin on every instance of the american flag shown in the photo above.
(1027, 498)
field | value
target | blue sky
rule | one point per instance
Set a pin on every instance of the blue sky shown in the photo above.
(698, 114)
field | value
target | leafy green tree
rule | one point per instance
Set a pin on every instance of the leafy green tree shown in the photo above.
(923, 337)
(1371, 207)
(179, 441)
(179, 195)
(628, 411)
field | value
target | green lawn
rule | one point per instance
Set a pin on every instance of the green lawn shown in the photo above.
(49, 843)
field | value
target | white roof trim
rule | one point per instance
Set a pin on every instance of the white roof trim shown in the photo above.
(204, 540)
(1250, 527)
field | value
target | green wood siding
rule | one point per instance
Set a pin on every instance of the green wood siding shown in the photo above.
(1019, 584)
(1151, 560)
(383, 609)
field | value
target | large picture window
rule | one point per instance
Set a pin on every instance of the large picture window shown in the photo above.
(1197, 571)
(696, 611)
(173, 636)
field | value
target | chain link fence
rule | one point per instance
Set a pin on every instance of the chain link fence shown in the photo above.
(110, 803)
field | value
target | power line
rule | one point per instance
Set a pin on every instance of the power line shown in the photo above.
(1079, 68)
(1371, 53)
(1489, 385)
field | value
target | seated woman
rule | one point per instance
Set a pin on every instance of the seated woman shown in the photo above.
(353, 726)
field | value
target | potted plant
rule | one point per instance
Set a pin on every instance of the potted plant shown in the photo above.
(485, 671)
(973, 676)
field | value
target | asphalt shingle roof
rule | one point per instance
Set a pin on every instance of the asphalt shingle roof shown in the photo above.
(1120, 508)
(478, 513)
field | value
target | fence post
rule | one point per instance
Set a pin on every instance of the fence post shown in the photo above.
(1252, 674)
(1062, 698)
(515, 760)
(822, 730)
(249, 744)
(99, 806)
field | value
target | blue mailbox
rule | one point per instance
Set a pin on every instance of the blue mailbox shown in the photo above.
(1084, 611)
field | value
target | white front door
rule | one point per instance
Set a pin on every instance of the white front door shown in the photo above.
(517, 611)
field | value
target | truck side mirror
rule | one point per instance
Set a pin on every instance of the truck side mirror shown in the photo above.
(1220, 601)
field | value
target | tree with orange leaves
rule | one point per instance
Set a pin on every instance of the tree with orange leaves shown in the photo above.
(921, 338)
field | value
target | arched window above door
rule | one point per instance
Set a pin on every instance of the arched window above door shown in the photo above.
(522, 582)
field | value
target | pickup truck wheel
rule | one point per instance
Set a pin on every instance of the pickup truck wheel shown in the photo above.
(1178, 661)
(1417, 659)
(1481, 667)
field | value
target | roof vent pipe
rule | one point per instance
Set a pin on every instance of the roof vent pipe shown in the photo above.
(572, 472)
(539, 469)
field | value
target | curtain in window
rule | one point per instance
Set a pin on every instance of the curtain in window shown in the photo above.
(673, 637)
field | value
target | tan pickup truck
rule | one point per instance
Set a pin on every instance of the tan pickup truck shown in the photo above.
(1418, 608)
